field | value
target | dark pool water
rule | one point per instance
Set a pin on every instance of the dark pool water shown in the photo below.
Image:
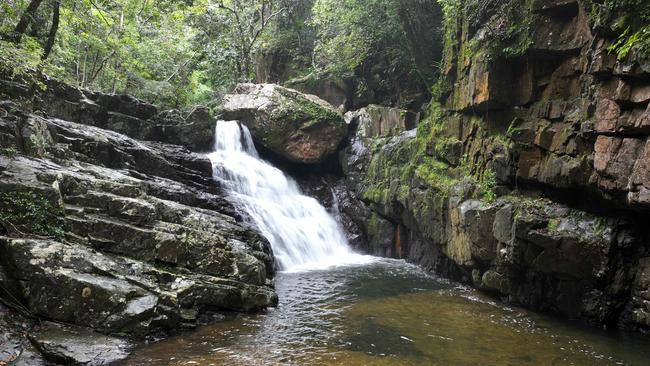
(391, 313)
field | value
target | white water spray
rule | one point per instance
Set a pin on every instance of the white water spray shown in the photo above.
(302, 233)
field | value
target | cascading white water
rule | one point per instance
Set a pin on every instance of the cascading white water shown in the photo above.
(302, 233)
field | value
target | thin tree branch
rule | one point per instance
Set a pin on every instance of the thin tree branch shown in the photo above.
(101, 13)
(263, 26)
(178, 69)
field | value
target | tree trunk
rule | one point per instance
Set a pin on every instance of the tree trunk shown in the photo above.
(47, 49)
(26, 19)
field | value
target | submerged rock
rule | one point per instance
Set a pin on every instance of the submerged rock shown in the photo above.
(299, 127)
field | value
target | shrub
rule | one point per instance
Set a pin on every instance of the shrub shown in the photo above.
(21, 61)
(487, 185)
(27, 212)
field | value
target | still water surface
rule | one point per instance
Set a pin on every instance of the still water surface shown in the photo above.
(391, 313)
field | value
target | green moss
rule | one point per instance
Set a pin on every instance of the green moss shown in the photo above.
(501, 139)
(376, 193)
(452, 16)
(403, 193)
(441, 89)
(373, 223)
(525, 204)
(27, 212)
(553, 225)
(308, 110)
(442, 146)
(468, 51)
(436, 174)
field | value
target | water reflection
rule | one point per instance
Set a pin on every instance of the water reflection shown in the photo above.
(390, 313)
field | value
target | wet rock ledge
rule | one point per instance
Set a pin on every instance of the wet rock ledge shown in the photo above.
(110, 230)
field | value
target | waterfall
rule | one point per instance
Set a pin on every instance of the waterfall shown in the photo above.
(302, 233)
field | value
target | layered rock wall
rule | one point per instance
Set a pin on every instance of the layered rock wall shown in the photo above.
(528, 175)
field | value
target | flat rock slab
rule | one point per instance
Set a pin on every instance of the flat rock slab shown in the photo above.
(78, 346)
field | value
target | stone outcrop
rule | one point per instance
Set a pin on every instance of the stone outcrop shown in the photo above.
(577, 116)
(121, 113)
(336, 91)
(109, 228)
(527, 176)
(299, 127)
(379, 121)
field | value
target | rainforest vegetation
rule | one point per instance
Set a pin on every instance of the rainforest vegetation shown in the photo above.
(180, 53)
(324, 182)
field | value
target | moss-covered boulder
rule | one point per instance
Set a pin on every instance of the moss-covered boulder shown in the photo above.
(299, 127)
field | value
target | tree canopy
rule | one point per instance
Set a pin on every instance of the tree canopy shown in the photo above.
(180, 53)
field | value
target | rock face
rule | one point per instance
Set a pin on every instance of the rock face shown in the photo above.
(299, 127)
(380, 121)
(338, 92)
(528, 175)
(101, 229)
(125, 115)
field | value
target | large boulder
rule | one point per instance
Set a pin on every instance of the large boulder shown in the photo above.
(299, 127)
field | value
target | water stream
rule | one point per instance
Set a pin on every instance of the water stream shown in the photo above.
(391, 313)
(301, 231)
(341, 308)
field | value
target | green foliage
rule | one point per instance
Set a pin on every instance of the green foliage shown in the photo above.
(21, 61)
(367, 40)
(630, 19)
(507, 29)
(10, 11)
(149, 49)
(341, 46)
(26, 213)
(134, 47)
(181, 53)
(626, 43)
(553, 225)
(487, 185)
(9, 152)
(452, 12)
(515, 37)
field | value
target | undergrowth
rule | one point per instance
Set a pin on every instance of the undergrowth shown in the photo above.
(27, 213)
